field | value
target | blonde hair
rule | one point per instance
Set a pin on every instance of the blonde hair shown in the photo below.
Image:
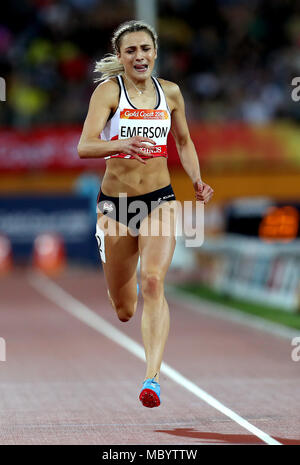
(110, 66)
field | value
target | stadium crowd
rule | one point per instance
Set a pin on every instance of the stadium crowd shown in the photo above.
(234, 59)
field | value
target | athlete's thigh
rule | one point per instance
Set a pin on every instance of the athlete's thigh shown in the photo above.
(157, 239)
(121, 255)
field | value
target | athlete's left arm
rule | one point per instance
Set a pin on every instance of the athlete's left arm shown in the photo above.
(185, 146)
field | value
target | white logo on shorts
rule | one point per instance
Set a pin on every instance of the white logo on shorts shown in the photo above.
(164, 197)
(108, 207)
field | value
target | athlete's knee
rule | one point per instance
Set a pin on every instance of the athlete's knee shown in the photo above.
(152, 284)
(124, 316)
(125, 311)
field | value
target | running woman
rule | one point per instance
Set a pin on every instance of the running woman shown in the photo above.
(128, 121)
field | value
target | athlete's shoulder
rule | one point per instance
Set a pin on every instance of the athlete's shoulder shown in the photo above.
(172, 93)
(170, 88)
(106, 91)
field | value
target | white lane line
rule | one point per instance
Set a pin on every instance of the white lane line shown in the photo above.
(68, 303)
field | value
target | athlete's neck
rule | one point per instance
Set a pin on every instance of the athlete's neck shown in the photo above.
(139, 86)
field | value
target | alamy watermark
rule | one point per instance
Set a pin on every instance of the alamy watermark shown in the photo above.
(296, 91)
(2, 350)
(2, 89)
(165, 218)
(295, 355)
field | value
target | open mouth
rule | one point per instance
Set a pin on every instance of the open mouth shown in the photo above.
(141, 68)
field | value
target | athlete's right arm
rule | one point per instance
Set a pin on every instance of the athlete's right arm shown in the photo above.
(104, 100)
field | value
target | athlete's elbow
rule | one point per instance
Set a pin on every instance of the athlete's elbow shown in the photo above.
(183, 142)
(82, 150)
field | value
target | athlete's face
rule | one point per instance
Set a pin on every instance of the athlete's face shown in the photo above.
(137, 54)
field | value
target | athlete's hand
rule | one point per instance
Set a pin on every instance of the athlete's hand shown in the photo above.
(134, 145)
(203, 192)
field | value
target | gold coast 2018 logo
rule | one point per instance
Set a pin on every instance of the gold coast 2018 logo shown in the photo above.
(2, 89)
(2, 350)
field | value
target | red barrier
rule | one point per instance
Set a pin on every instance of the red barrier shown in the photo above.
(49, 254)
(43, 149)
(228, 146)
(6, 260)
(49, 149)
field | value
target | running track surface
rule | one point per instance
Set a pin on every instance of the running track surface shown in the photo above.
(63, 382)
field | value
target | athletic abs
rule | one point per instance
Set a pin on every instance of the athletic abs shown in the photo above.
(133, 177)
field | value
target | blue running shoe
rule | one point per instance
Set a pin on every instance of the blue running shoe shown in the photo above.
(150, 393)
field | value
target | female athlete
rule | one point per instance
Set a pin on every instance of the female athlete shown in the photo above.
(133, 112)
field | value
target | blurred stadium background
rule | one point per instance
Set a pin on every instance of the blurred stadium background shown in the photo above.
(234, 61)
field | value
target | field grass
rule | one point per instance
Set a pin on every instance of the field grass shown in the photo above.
(283, 317)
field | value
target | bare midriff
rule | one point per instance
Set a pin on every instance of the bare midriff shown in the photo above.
(134, 178)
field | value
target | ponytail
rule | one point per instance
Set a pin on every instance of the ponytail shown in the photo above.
(109, 67)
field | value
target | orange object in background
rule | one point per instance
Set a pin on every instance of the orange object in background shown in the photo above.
(6, 261)
(280, 223)
(49, 253)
